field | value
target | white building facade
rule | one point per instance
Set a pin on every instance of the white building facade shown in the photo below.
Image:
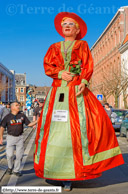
(7, 84)
(124, 69)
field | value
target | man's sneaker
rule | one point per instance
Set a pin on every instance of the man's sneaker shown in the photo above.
(17, 174)
(9, 171)
(67, 188)
(67, 185)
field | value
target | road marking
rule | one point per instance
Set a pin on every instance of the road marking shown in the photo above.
(13, 179)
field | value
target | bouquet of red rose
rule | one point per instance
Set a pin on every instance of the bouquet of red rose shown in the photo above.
(75, 67)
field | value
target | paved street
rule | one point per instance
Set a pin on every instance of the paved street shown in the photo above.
(114, 181)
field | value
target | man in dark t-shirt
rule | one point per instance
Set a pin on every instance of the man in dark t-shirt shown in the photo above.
(14, 122)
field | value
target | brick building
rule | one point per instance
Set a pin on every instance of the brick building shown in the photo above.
(7, 84)
(20, 80)
(107, 58)
(39, 91)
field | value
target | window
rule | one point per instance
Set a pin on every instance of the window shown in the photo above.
(22, 82)
(21, 98)
(21, 90)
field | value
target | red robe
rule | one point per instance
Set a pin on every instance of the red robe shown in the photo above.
(92, 142)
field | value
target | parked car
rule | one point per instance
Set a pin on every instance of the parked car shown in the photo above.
(124, 127)
(117, 117)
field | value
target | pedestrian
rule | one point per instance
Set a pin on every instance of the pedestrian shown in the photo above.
(75, 140)
(1, 111)
(35, 104)
(8, 106)
(14, 122)
(6, 110)
(37, 110)
(108, 109)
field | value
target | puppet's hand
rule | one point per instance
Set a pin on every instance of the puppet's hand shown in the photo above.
(81, 88)
(66, 76)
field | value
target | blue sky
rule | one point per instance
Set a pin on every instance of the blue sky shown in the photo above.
(27, 30)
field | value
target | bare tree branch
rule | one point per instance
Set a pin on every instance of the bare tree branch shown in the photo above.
(113, 82)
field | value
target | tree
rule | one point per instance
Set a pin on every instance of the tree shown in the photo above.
(103, 85)
(113, 82)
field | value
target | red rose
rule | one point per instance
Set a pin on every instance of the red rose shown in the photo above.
(74, 62)
(74, 66)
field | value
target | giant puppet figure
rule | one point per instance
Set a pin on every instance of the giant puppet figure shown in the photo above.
(75, 139)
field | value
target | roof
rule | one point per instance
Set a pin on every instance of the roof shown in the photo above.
(20, 79)
(109, 25)
(39, 89)
(6, 71)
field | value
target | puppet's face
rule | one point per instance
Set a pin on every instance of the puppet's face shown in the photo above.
(69, 28)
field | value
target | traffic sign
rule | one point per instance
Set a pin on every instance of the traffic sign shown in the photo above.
(100, 96)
